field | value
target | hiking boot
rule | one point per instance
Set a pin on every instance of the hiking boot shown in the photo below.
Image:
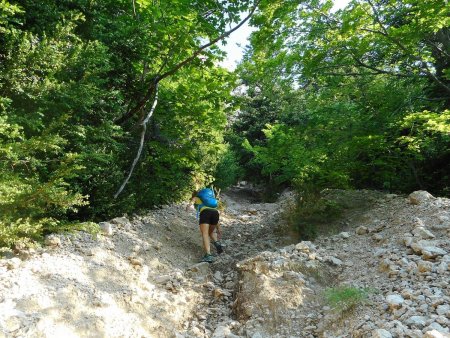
(218, 247)
(208, 258)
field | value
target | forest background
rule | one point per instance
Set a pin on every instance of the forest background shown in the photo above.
(354, 98)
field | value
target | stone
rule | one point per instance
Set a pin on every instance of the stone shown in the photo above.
(106, 228)
(163, 279)
(427, 249)
(223, 332)
(422, 233)
(430, 252)
(344, 235)
(420, 197)
(302, 246)
(381, 333)
(218, 293)
(361, 230)
(407, 240)
(135, 261)
(424, 266)
(123, 221)
(437, 327)
(218, 276)
(416, 321)
(378, 237)
(13, 263)
(334, 261)
(52, 240)
(199, 271)
(435, 334)
(443, 310)
(394, 301)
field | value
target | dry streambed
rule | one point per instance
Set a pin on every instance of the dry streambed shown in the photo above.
(141, 278)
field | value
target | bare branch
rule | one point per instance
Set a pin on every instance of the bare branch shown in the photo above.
(141, 145)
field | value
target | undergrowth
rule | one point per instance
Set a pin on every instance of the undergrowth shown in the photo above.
(346, 298)
(310, 213)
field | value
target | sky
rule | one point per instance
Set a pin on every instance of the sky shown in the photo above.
(239, 39)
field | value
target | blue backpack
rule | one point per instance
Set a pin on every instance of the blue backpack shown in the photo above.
(208, 198)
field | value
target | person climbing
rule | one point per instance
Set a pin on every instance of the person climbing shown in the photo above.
(206, 205)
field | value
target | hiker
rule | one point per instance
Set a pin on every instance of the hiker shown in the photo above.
(206, 205)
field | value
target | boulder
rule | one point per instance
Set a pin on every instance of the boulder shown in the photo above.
(420, 197)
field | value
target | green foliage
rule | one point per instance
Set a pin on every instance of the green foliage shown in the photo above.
(346, 298)
(69, 71)
(311, 214)
(335, 95)
(228, 170)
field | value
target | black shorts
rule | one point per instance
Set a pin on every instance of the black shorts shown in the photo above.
(209, 216)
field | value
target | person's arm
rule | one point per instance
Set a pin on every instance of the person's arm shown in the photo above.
(191, 202)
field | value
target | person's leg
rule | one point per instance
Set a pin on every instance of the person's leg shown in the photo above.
(204, 229)
(213, 236)
(212, 233)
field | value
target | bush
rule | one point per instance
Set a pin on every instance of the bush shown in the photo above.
(310, 212)
(228, 171)
(346, 298)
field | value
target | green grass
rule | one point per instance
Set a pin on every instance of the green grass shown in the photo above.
(346, 298)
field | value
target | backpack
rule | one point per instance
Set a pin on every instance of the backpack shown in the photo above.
(208, 198)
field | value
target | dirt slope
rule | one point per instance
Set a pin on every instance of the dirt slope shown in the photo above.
(144, 279)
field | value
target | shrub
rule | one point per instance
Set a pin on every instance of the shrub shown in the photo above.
(345, 298)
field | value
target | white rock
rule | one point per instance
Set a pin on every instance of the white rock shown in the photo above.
(407, 240)
(136, 261)
(423, 233)
(381, 333)
(430, 252)
(13, 263)
(106, 228)
(361, 230)
(417, 321)
(424, 266)
(52, 240)
(443, 310)
(121, 221)
(218, 276)
(437, 327)
(302, 246)
(344, 235)
(444, 219)
(435, 334)
(420, 197)
(394, 301)
(334, 261)
(223, 332)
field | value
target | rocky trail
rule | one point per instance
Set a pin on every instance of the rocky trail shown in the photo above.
(389, 254)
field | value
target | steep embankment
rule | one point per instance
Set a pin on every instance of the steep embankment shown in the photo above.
(143, 280)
